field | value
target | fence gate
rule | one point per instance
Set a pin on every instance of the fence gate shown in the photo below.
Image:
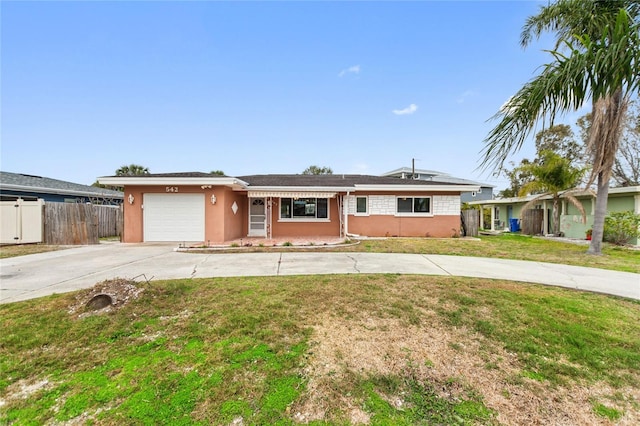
(21, 221)
(470, 222)
(532, 221)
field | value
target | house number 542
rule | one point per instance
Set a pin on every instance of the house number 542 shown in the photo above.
(172, 189)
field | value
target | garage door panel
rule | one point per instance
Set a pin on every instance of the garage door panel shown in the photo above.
(174, 217)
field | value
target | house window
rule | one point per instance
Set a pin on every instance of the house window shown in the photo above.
(413, 205)
(304, 208)
(361, 205)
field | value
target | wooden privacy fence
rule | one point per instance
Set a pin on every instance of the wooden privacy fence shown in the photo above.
(532, 221)
(470, 222)
(109, 221)
(79, 224)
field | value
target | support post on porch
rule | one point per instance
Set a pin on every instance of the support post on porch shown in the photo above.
(493, 218)
(269, 217)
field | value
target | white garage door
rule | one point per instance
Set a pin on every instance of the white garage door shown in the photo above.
(173, 217)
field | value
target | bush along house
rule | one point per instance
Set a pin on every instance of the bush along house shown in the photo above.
(200, 207)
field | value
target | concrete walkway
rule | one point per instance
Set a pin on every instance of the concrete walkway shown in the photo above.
(37, 275)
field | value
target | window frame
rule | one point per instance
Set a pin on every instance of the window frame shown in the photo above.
(304, 218)
(413, 213)
(366, 206)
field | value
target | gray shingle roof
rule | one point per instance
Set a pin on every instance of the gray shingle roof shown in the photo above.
(336, 180)
(31, 183)
(178, 175)
(427, 175)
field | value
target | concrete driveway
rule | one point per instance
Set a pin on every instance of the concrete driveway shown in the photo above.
(37, 275)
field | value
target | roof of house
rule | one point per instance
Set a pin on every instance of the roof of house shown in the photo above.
(613, 192)
(39, 184)
(337, 180)
(332, 182)
(435, 176)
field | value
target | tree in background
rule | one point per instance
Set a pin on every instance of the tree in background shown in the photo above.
(132, 170)
(217, 173)
(553, 175)
(626, 167)
(559, 139)
(518, 176)
(316, 170)
(601, 64)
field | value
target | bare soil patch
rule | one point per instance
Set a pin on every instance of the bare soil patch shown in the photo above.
(451, 359)
(119, 290)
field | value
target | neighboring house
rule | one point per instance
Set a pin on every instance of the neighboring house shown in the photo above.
(30, 187)
(200, 207)
(485, 192)
(503, 210)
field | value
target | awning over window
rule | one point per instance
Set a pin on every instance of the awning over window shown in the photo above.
(290, 194)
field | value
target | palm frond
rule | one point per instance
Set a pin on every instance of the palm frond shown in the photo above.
(573, 200)
(592, 69)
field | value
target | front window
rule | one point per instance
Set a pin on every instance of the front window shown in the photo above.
(361, 205)
(414, 205)
(304, 208)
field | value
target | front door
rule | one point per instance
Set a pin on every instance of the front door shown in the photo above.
(257, 217)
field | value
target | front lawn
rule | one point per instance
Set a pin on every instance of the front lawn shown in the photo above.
(512, 246)
(377, 349)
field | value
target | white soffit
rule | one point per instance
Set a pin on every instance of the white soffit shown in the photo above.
(418, 188)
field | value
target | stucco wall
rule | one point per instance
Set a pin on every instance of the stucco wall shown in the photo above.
(402, 226)
(220, 222)
(298, 227)
(571, 222)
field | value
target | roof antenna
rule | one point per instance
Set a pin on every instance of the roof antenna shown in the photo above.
(413, 168)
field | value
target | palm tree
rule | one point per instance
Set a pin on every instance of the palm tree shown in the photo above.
(555, 176)
(132, 170)
(602, 65)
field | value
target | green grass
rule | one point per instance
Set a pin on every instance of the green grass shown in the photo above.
(213, 350)
(24, 249)
(510, 246)
(504, 246)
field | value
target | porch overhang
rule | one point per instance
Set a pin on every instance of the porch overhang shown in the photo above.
(291, 194)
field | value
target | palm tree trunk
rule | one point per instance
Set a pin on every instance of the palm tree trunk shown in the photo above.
(600, 212)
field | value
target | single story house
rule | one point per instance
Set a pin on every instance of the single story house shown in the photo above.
(485, 192)
(31, 188)
(571, 225)
(201, 207)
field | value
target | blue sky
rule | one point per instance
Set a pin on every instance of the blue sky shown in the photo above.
(257, 87)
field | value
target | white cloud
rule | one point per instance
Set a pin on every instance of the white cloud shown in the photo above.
(407, 111)
(463, 97)
(355, 69)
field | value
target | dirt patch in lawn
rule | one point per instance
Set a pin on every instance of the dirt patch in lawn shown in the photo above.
(105, 296)
(451, 359)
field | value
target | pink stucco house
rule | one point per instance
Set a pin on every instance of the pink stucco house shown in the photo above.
(200, 207)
